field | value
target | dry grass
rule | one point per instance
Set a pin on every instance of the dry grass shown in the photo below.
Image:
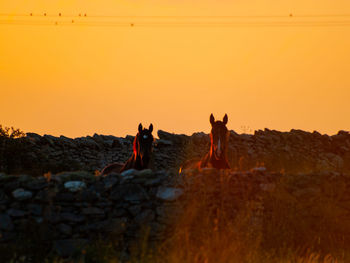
(272, 226)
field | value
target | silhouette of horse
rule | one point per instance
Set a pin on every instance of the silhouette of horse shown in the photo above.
(142, 153)
(217, 155)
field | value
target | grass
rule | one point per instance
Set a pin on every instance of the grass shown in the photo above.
(272, 226)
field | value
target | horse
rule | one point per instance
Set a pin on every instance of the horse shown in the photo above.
(217, 155)
(141, 157)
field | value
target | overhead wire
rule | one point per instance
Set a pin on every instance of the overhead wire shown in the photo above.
(83, 19)
(173, 16)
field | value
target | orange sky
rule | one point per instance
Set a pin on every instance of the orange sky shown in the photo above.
(78, 80)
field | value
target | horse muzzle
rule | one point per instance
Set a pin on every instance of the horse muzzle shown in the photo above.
(218, 150)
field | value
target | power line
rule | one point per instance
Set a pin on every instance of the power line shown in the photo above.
(328, 23)
(175, 16)
(83, 19)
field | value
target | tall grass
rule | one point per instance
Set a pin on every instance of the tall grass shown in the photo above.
(229, 219)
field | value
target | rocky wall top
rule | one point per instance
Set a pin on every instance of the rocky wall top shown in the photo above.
(294, 151)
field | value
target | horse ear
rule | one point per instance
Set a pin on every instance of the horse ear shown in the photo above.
(150, 127)
(212, 120)
(225, 119)
(140, 127)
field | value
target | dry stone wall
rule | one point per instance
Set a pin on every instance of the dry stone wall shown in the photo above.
(66, 209)
(65, 212)
(294, 151)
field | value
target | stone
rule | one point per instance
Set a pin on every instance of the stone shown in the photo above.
(259, 169)
(33, 135)
(98, 188)
(3, 198)
(145, 173)
(2, 175)
(130, 173)
(73, 218)
(175, 138)
(44, 196)
(129, 192)
(70, 142)
(116, 144)
(7, 236)
(134, 210)
(34, 209)
(200, 138)
(110, 181)
(145, 217)
(268, 187)
(65, 229)
(74, 186)
(53, 217)
(64, 197)
(119, 212)
(38, 220)
(6, 178)
(69, 247)
(117, 226)
(24, 178)
(93, 211)
(169, 193)
(154, 182)
(130, 138)
(157, 230)
(16, 213)
(88, 196)
(11, 186)
(5, 222)
(21, 194)
(37, 184)
(88, 142)
(76, 176)
(108, 143)
(163, 143)
(49, 139)
(104, 204)
(93, 227)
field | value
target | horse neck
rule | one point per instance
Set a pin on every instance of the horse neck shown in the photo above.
(139, 162)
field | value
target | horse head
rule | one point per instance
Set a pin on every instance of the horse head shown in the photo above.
(219, 136)
(143, 144)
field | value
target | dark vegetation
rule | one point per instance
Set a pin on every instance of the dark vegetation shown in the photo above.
(11, 145)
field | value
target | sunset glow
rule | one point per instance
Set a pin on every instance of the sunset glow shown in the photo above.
(76, 80)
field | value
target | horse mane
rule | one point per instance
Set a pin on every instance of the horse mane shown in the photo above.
(136, 144)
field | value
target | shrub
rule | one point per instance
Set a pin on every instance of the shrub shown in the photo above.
(10, 148)
(11, 132)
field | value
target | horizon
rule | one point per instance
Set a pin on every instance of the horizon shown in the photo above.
(77, 80)
(155, 133)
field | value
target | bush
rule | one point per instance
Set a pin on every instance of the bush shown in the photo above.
(12, 133)
(10, 148)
